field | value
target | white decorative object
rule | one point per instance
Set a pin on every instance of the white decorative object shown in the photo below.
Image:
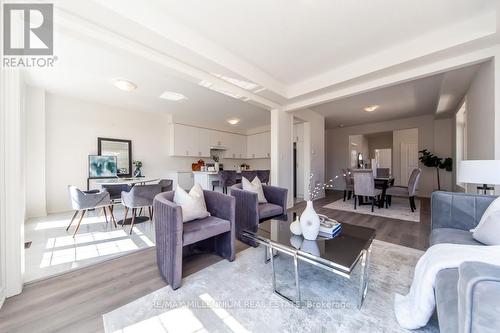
(296, 241)
(192, 203)
(217, 166)
(255, 186)
(295, 227)
(309, 222)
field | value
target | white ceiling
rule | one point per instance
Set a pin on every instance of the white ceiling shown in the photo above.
(414, 98)
(86, 69)
(295, 40)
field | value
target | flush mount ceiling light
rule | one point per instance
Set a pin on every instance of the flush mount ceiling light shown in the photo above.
(172, 96)
(371, 108)
(233, 121)
(125, 85)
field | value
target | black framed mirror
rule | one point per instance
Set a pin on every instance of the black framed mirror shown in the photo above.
(122, 149)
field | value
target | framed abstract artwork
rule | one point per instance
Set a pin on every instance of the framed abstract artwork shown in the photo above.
(102, 166)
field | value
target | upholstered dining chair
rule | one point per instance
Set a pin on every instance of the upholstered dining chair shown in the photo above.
(166, 185)
(249, 174)
(115, 192)
(263, 176)
(348, 183)
(174, 238)
(227, 178)
(405, 192)
(364, 186)
(140, 196)
(83, 201)
(383, 172)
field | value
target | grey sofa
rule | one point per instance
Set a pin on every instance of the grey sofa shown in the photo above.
(467, 298)
(249, 213)
(174, 238)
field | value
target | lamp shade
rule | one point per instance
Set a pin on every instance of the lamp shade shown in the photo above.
(479, 172)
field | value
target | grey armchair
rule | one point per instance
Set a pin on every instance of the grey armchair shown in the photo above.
(138, 197)
(83, 201)
(215, 233)
(468, 297)
(249, 213)
(364, 186)
(406, 192)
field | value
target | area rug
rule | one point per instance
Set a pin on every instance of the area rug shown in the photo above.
(399, 209)
(237, 297)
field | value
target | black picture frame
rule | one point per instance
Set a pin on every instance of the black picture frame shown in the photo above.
(129, 142)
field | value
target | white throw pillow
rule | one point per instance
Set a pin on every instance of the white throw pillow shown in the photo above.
(192, 203)
(488, 232)
(493, 207)
(255, 186)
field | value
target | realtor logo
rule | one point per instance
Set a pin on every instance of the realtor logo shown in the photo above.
(35, 34)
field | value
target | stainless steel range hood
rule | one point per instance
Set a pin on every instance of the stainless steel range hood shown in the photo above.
(218, 148)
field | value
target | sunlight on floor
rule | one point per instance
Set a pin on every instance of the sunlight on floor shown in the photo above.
(229, 320)
(54, 250)
(180, 320)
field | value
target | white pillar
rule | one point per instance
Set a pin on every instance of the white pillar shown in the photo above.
(282, 151)
(12, 184)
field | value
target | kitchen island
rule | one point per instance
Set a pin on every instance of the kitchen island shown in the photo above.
(205, 178)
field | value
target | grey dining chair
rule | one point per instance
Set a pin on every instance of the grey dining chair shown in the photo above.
(364, 186)
(166, 185)
(83, 201)
(263, 176)
(227, 178)
(139, 196)
(348, 183)
(409, 191)
(383, 172)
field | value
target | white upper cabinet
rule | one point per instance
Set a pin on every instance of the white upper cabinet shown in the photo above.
(193, 141)
(259, 145)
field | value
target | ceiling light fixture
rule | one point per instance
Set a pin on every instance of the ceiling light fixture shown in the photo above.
(233, 121)
(371, 108)
(172, 96)
(125, 85)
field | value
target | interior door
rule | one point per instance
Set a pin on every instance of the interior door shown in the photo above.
(409, 160)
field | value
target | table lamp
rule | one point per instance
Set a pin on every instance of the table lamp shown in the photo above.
(486, 172)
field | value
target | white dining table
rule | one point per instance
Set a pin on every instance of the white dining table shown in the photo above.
(125, 181)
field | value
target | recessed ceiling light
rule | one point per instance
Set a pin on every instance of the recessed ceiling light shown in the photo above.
(233, 121)
(125, 85)
(172, 96)
(371, 108)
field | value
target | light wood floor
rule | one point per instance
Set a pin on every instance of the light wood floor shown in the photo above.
(76, 301)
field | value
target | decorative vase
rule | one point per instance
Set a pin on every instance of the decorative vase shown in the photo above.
(295, 227)
(309, 222)
(137, 172)
(216, 166)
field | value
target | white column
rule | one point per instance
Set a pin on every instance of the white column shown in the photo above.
(496, 89)
(282, 151)
(12, 183)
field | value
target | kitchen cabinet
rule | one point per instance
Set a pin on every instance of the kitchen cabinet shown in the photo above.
(191, 141)
(259, 145)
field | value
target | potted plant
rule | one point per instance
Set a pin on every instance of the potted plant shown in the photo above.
(432, 161)
(138, 166)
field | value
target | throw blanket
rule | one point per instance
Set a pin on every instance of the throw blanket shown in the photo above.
(416, 308)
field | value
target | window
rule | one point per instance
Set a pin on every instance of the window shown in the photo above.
(461, 137)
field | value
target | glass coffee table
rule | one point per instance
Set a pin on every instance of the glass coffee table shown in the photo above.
(340, 255)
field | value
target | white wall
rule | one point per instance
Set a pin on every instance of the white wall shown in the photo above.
(338, 142)
(409, 136)
(35, 152)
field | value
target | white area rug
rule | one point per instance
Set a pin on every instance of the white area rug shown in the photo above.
(238, 297)
(400, 209)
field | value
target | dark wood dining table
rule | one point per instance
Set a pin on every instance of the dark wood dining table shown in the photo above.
(381, 183)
